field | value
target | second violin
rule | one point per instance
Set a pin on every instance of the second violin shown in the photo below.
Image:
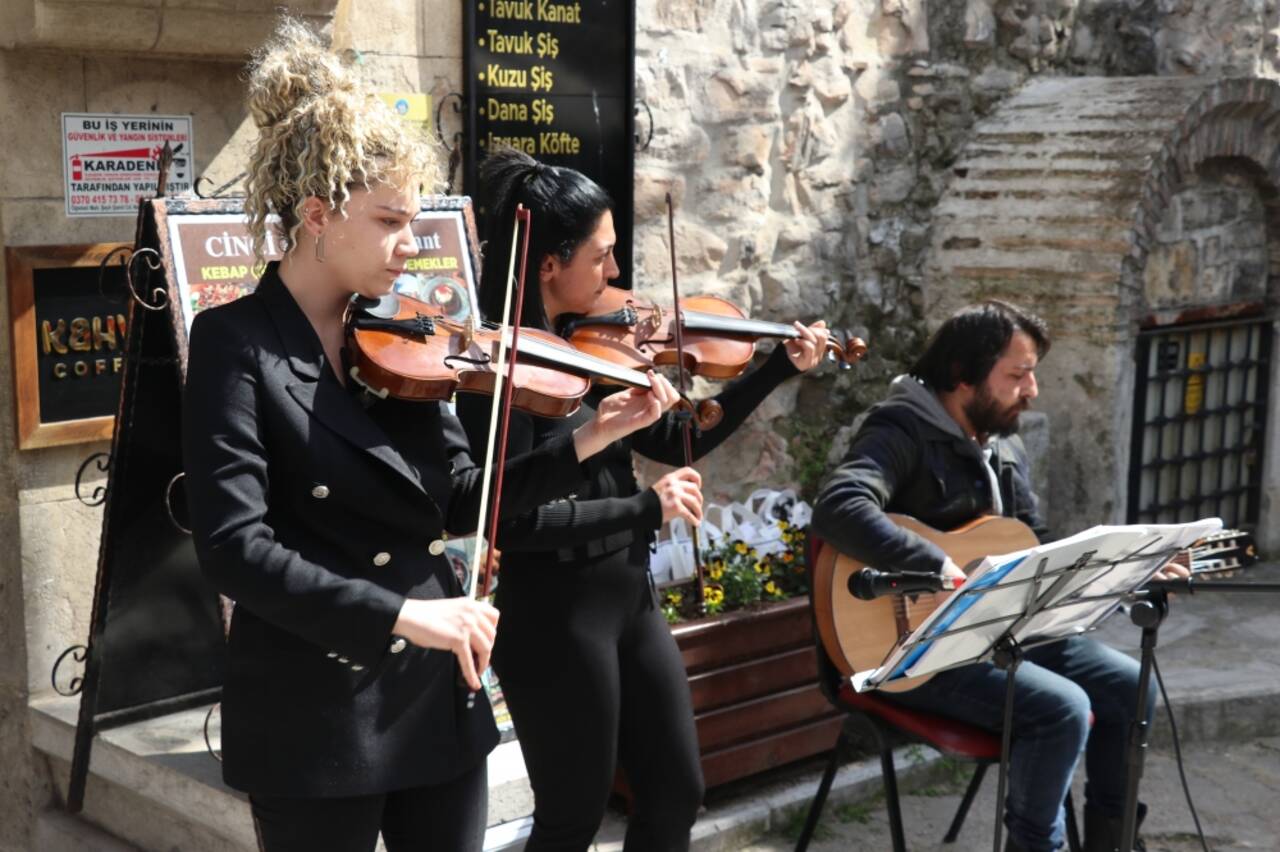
(402, 347)
(719, 338)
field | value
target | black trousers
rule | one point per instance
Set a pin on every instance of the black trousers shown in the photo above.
(593, 679)
(448, 817)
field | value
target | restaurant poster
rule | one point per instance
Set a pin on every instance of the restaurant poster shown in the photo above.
(214, 262)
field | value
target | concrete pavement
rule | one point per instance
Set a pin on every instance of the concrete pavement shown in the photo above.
(1220, 656)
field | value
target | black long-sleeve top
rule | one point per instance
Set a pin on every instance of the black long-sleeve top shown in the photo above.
(609, 512)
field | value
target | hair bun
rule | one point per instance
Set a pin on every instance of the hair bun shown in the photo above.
(292, 68)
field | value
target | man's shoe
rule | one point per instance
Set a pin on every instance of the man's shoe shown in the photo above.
(1102, 833)
(1011, 845)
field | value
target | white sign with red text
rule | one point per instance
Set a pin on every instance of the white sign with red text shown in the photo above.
(111, 161)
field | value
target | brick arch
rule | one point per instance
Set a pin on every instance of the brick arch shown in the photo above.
(1058, 193)
(1054, 204)
(1234, 123)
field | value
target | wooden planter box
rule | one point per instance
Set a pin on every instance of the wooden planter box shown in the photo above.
(754, 679)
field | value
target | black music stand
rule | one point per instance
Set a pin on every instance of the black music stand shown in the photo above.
(1034, 597)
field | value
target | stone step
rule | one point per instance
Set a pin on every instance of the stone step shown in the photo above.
(58, 831)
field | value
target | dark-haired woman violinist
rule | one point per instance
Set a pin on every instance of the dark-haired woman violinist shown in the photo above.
(590, 671)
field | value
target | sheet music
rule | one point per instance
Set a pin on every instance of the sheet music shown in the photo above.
(1149, 554)
(1035, 574)
(1096, 563)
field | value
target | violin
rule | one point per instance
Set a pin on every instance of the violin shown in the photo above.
(719, 338)
(405, 348)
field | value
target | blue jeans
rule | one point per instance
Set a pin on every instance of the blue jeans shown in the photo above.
(1056, 687)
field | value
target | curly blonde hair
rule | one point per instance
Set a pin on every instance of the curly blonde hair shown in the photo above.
(321, 132)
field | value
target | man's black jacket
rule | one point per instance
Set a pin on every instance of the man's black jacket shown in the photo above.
(911, 458)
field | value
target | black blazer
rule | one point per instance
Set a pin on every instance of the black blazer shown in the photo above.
(319, 516)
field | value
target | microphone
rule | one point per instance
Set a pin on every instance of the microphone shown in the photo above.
(869, 584)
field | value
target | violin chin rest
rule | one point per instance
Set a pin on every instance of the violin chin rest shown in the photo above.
(384, 307)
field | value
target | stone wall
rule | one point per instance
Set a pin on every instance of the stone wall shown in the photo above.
(807, 144)
(1211, 245)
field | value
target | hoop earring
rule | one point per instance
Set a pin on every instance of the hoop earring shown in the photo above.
(320, 248)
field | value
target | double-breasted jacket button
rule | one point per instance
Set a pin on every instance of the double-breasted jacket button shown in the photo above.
(436, 547)
(320, 492)
(381, 558)
(356, 667)
(333, 655)
(398, 644)
(343, 660)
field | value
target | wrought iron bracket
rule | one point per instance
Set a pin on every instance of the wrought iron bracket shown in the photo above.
(454, 149)
(154, 263)
(216, 754)
(99, 495)
(641, 103)
(78, 654)
(168, 504)
(219, 191)
(120, 251)
(458, 101)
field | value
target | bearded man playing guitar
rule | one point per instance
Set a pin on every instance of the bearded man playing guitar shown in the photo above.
(942, 448)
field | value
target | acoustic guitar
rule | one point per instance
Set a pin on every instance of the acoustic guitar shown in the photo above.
(859, 635)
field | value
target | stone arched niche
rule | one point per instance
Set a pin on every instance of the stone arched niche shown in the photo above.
(1110, 206)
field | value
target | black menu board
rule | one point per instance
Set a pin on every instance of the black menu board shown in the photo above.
(556, 80)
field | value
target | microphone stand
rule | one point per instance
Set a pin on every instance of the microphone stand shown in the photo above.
(1149, 608)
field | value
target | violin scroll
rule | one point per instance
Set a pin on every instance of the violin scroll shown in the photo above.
(846, 349)
(708, 414)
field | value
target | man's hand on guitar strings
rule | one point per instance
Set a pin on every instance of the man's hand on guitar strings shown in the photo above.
(952, 577)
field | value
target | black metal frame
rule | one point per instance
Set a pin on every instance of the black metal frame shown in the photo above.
(149, 388)
(1253, 420)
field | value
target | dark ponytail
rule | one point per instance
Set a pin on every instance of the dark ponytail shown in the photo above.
(566, 206)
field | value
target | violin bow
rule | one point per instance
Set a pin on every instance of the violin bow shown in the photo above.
(504, 384)
(686, 417)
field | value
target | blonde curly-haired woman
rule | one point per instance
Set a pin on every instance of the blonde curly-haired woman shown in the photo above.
(322, 514)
